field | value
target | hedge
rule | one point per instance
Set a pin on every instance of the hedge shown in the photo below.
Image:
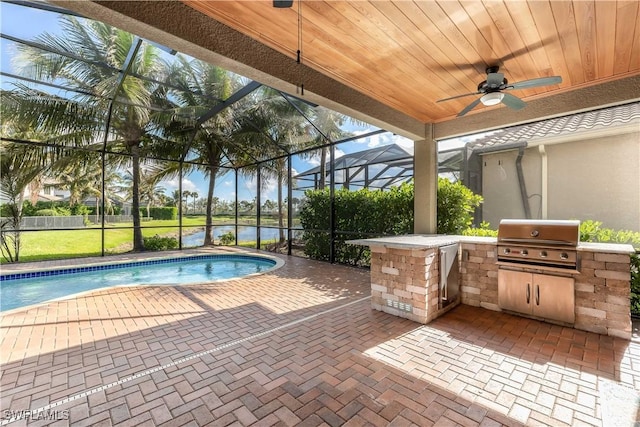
(362, 213)
(164, 212)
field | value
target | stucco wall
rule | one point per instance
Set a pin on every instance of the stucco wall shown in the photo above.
(597, 179)
(500, 187)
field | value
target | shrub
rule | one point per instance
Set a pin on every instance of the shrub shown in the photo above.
(29, 209)
(365, 212)
(361, 213)
(46, 212)
(6, 210)
(163, 212)
(592, 231)
(47, 209)
(59, 211)
(80, 210)
(635, 284)
(227, 238)
(456, 205)
(159, 243)
(483, 231)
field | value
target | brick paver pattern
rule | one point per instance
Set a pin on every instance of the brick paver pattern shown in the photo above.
(300, 346)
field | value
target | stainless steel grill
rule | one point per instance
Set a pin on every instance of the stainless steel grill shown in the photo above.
(544, 244)
(550, 246)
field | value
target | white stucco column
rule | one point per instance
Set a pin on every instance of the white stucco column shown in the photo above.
(425, 175)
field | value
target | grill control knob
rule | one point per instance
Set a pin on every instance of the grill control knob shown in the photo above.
(564, 255)
(524, 252)
(506, 251)
(535, 233)
(543, 254)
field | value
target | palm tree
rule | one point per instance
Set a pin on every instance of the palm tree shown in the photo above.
(185, 196)
(112, 185)
(195, 195)
(278, 128)
(330, 123)
(78, 175)
(175, 198)
(99, 53)
(150, 191)
(198, 87)
(20, 165)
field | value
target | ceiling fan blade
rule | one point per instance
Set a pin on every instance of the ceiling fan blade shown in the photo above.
(458, 96)
(469, 107)
(543, 81)
(513, 102)
(495, 79)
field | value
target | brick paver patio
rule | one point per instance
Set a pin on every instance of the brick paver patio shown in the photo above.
(301, 346)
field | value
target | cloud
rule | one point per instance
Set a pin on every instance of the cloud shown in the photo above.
(314, 161)
(381, 139)
(373, 141)
(172, 184)
(403, 142)
(269, 187)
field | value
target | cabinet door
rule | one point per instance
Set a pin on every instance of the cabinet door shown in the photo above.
(554, 298)
(515, 291)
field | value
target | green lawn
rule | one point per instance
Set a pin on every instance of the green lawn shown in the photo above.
(58, 244)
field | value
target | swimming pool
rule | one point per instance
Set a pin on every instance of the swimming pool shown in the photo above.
(27, 288)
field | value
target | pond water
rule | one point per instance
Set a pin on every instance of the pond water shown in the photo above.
(245, 233)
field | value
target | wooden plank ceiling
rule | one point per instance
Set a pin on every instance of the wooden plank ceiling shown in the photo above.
(409, 54)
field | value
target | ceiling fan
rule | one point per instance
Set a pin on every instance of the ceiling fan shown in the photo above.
(491, 90)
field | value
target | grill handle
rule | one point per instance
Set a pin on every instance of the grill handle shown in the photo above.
(528, 293)
(537, 295)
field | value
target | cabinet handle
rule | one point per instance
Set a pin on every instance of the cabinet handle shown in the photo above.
(528, 293)
(537, 295)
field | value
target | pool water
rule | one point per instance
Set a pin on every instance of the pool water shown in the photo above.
(20, 292)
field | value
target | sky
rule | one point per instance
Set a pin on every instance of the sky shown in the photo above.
(27, 23)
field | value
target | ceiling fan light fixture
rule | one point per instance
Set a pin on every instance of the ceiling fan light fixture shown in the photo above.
(282, 3)
(492, 98)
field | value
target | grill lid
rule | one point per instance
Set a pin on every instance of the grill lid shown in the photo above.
(540, 232)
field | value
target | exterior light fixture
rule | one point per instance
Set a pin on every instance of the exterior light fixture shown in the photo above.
(492, 98)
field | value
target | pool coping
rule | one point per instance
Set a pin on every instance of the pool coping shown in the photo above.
(127, 259)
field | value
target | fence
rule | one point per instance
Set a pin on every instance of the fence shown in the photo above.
(97, 219)
(73, 221)
(47, 222)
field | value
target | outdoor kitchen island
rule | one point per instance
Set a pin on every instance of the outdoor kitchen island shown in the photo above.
(406, 279)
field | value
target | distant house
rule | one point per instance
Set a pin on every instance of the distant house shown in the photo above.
(48, 191)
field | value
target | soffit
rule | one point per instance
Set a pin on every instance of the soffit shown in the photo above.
(407, 55)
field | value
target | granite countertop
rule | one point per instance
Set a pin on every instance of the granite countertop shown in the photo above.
(617, 248)
(420, 241)
(428, 241)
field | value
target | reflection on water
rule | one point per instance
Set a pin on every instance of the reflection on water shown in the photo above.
(244, 234)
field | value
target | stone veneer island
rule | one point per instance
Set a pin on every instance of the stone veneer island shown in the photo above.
(405, 279)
